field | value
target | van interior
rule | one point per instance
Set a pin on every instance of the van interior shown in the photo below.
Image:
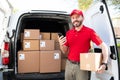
(45, 23)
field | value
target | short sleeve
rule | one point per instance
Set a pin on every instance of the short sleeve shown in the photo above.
(95, 38)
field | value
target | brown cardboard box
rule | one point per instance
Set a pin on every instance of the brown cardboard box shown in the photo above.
(64, 55)
(44, 36)
(57, 46)
(31, 34)
(31, 44)
(90, 61)
(50, 61)
(47, 45)
(28, 61)
(63, 63)
(54, 36)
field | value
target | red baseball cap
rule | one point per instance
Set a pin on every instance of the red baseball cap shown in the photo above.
(75, 11)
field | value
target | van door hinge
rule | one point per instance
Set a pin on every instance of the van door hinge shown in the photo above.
(112, 55)
(101, 9)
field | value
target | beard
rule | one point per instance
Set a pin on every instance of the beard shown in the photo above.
(77, 23)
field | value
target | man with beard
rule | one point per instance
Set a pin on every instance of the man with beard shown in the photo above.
(77, 41)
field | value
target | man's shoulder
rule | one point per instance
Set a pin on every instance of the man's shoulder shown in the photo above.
(87, 28)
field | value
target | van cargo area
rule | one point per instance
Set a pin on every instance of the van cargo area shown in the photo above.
(45, 23)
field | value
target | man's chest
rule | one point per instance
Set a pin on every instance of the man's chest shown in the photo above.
(78, 37)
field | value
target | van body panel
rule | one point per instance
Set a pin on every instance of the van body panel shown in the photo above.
(97, 17)
(5, 13)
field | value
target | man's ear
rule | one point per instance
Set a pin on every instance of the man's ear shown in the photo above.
(83, 17)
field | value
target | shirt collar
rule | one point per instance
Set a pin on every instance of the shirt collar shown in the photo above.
(79, 30)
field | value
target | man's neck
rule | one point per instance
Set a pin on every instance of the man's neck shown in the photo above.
(78, 28)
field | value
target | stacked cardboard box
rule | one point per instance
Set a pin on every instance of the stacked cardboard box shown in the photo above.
(29, 56)
(40, 50)
(31, 39)
(44, 35)
(49, 56)
(50, 61)
(54, 36)
(28, 61)
(47, 45)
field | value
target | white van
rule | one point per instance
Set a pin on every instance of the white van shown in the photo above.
(97, 17)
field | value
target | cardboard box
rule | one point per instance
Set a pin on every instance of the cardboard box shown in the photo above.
(31, 34)
(44, 36)
(47, 45)
(57, 45)
(64, 55)
(31, 44)
(90, 61)
(28, 61)
(54, 36)
(50, 61)
(63, 63)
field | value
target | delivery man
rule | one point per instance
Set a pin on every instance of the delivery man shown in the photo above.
(77, 41)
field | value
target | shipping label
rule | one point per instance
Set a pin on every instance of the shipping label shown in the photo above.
(27, 44)
(56, 56)
(27, 34)
(21, 56)
(42, 44)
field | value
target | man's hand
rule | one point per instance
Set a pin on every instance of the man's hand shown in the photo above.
(62, 40)
(101, 69)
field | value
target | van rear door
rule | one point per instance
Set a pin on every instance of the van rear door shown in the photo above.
(5, 12)
(98, 18)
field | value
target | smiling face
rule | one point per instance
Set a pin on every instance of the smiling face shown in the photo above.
(77, 20)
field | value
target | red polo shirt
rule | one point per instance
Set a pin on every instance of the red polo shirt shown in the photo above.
(79, 42)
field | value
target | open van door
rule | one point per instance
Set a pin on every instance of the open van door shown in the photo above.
(98, 18)
(5, 12)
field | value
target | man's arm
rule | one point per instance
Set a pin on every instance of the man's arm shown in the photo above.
(104, 48)
(64, 48)
(62, 41)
